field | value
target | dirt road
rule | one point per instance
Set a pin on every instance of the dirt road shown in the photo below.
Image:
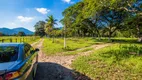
(59, 67)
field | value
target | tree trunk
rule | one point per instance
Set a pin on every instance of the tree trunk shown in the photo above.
(138, 31)
(53, 38)
(99, 36)
(109, 37)
(64, 37)
(140, 39)
(138, 34)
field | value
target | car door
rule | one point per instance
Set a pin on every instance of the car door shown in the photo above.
(32, 57)
(28, 58)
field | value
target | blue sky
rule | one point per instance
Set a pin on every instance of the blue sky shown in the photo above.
(25, 13)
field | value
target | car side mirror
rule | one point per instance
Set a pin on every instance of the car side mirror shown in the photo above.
(36, 50)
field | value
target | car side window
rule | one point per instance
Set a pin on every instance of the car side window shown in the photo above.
(27, 50)
(32, 50)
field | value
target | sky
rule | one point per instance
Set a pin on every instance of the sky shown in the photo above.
(25, 13)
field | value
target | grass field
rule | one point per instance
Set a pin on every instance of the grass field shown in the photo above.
(27, 39)
(72, 44)
(117, 62)
(120, 61)
(116, 39)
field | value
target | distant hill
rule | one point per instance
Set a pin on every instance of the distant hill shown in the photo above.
(15, 31)
(26, 31)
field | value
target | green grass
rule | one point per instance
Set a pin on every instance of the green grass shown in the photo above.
(72, 45)
(27, 39)
(78, 51)
(126, 40)
(120, 62)
(87, 49)
(116, 39)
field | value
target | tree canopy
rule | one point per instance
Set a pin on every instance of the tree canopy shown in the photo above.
(21, 34)
(39, 28)
(102, 18)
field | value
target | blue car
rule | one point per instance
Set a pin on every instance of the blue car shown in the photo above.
(17, 61)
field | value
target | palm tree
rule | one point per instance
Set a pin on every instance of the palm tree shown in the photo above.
(49, 26)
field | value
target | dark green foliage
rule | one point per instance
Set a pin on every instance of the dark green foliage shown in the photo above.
(39, 29)
(21, 34)
(1, 34)
(50, 25)
(8, 54)
(103, 18)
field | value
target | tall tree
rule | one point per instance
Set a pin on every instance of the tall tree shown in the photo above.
(91, 17)
(50, 24)
(39, 28)
(71, 21)
(109, 13)
(112, 19)
(1, 34)
(135, 19)
(21, 34)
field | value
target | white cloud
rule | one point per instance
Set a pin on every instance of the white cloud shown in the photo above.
(25, 19)
(12, 23)
(43, 10)
(68, 1)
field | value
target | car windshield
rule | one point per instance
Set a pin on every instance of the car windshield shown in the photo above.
(8, 53)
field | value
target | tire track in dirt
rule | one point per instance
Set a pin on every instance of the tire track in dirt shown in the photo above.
(67, 60)
(59, 67)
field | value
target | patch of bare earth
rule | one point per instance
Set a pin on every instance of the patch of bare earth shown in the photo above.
(59, 67)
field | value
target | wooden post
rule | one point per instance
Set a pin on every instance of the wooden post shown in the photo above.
(64, 36)
(16, 39)
(10, 40)
(2, 40)
(23, 39)
(20, 40)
